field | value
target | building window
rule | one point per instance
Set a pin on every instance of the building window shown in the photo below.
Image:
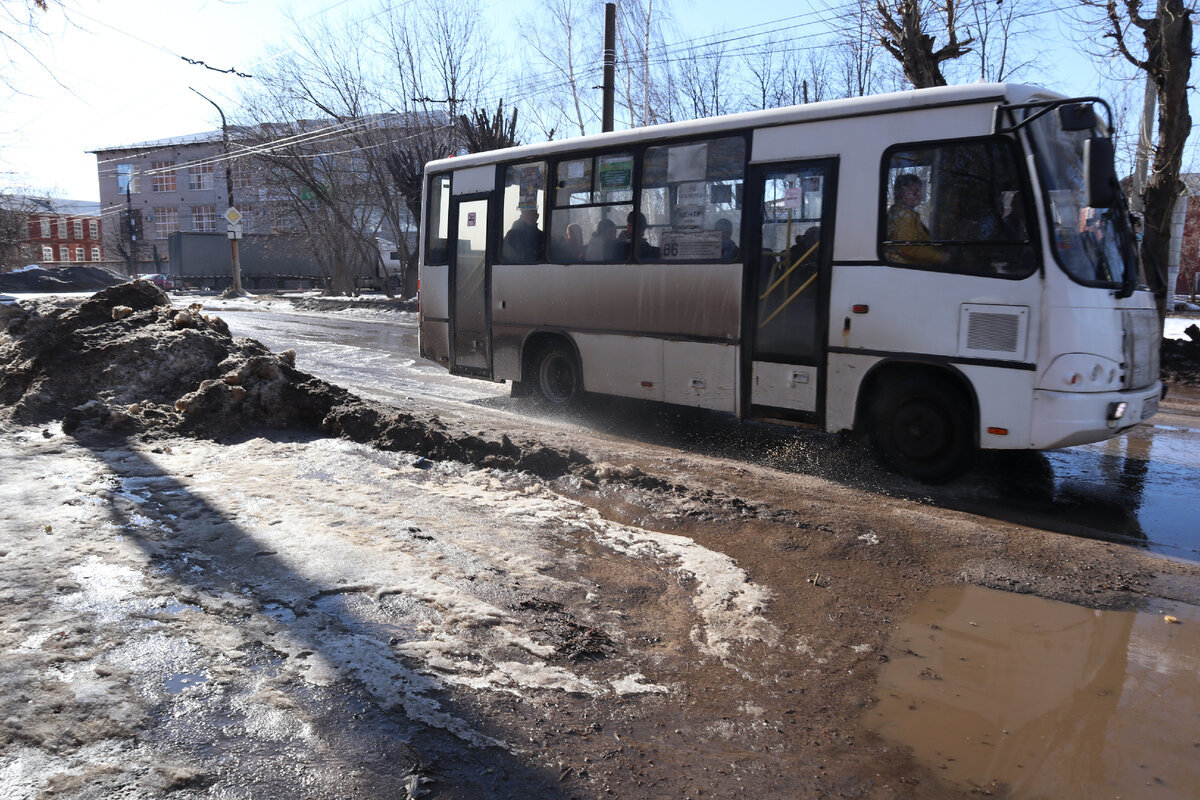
(166, 222)
(77, 226)
(93, 229)
(95, 254)
(243, 176)
(45, 227)
(204, 219)
(163, 176)
(200, 176)
(125, 179)
(64, 253)
(47, 253)
(79, 254)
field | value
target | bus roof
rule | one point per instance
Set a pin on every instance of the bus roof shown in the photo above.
(853, 106)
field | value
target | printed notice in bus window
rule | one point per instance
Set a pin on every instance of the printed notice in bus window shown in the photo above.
(616, 173)
(470, 219)
(687, 163)
(793, 197)
(690, 194)
(531, 185)
(691, 245)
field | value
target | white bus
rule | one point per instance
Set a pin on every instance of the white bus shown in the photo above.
(941, 270)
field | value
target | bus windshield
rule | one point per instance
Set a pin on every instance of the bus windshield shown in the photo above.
(1093, 245)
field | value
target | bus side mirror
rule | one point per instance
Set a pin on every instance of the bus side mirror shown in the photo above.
(1101, 172)
(1077, 117)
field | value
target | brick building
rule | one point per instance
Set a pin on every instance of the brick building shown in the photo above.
(50, 231)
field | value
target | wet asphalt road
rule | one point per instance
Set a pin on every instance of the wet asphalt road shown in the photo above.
(1141, 489)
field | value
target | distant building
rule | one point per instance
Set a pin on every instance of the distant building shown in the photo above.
(49, 231)
(1188, 210)
(173, 185)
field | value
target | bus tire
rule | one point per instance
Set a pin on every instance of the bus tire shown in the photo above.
(556, 375)
(920, 426)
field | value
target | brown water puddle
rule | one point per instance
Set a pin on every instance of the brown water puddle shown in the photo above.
(1046, 699)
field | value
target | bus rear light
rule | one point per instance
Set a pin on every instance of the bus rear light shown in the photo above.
(998, 431)
(860, 308)
(647, 384)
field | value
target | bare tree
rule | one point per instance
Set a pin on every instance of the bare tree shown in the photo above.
(911, 30)
(994, 27)
(702, 83)
(16, 212)
(646, 80)
(856, 50)
(482, 132)
(568, 43)
(1164, 54)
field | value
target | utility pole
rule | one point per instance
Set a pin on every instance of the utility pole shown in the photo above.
(130, 229)
(231, 213)
(610, 65)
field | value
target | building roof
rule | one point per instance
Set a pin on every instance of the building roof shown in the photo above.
(157, 144)
(59, 205)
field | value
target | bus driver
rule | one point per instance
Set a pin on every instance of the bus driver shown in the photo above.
(905, 225)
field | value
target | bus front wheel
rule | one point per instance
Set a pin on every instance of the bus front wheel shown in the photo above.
(920, 427)
(557, 375)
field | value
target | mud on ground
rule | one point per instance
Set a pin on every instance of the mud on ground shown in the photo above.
(842, 565)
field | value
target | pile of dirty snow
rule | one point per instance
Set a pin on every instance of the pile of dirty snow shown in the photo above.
(1180, 358)
(59, 279)
(125, 362)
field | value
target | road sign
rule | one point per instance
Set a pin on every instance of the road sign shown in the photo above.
(233, 216)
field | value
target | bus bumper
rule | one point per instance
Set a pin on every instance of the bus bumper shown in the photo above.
(1063, 419)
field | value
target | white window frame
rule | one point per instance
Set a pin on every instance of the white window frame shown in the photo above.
(64, 253)
(166, 222)
(95, 254)
(200, 176)
(204, 219)
(47, 253)
(79, 254)
(162, 177)
(77, 228)
(45, 227)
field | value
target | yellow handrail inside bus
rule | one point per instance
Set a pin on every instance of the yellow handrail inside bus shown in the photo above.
(790, 270)
(784, 304)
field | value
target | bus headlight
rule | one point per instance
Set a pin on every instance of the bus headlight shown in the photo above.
(1081, 372)
(1116, 410)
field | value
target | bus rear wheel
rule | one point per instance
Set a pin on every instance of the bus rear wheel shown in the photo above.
(920, 427)
(557, 375)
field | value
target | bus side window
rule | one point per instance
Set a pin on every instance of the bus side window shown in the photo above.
(692, 199)
(523, 241)
(592, 203)
(957, 206)
(437, 231)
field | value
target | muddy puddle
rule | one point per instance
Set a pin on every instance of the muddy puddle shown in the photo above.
(1032, 698)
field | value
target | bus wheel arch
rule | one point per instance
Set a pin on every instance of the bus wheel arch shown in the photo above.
(919, 419)
(551, 369)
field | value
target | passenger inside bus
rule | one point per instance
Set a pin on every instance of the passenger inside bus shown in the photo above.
(729, 248)
(905, 226)
(603, 244)
(635, 232)
(570, 248)
(523, 242)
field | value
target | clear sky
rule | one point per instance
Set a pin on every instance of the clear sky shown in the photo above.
(113, 72)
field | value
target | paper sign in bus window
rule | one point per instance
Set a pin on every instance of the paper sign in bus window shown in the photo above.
(687, 163)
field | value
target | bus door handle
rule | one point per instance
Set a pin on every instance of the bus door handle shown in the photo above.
(698, 383)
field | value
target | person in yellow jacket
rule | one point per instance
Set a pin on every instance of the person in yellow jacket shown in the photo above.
(905, 226)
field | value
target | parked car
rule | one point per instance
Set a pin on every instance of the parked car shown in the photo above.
(163, 282)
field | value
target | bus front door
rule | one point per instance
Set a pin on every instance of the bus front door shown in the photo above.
(471, 351)
(788, 286)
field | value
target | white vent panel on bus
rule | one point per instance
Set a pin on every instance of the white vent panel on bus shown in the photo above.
(993, 331)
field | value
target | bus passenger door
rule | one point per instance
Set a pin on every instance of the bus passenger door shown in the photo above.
(788, 287)
(470, 334)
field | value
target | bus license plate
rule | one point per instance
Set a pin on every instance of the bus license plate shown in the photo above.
(1149, 407)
